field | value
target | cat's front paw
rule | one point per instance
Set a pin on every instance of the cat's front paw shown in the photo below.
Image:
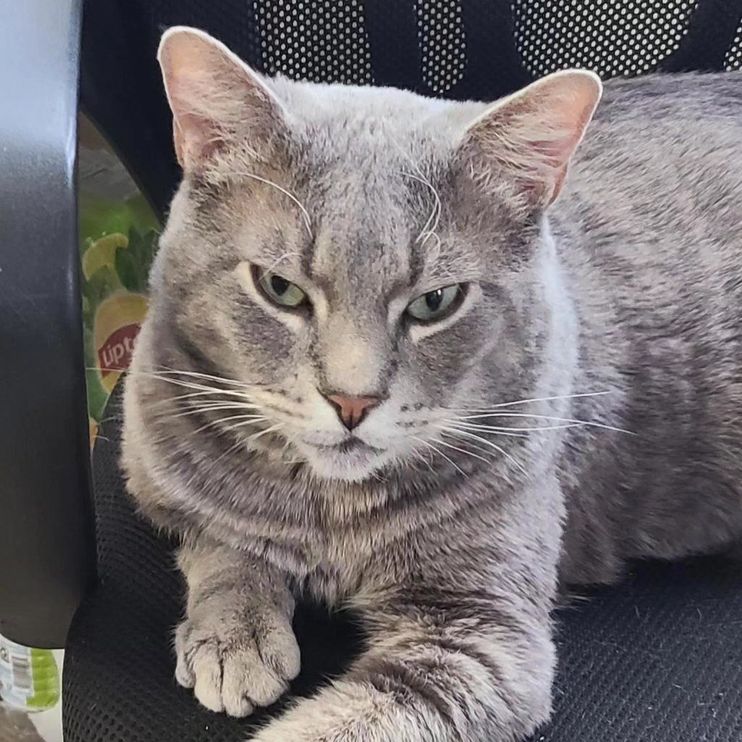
(236, 660)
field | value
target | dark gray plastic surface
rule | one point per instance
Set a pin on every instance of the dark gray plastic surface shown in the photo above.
(46, 542)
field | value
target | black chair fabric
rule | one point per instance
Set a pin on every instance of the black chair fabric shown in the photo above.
(461, 49)
(657, 658)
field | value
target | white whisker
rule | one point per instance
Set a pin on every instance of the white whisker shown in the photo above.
(247, 421)
(193, 385)
(487, 442)
(219, 423)
(425, 236)
(239, 443)
(271, 268)
(516, 432)
(165, 370)
(429, 445)
(197, 396)
(201, 409)
(419, 456)
(287, 193)
(459, 426)
(431, 225)
(538, 399)
(572, 421)
(166, 374)
(271, 429)
(461, 450)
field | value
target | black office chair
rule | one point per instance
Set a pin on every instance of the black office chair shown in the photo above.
(656, 659)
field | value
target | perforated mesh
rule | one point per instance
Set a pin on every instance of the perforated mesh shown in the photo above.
(733, 59)
(316, 41)
(613, 38)
(442, 39)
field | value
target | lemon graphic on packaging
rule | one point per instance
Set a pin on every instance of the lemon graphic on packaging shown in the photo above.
(92, 430)
(102, 252)
(117, 324)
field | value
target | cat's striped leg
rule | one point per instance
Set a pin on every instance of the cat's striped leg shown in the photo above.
(236, 647)
(465, 675)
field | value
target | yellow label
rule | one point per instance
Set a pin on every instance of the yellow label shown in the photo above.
(102, 253)
(117, 324)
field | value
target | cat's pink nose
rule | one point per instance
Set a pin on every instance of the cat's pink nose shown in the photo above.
(352, 410)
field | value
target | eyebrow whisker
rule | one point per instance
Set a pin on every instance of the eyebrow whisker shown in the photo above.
(305, 214)
(431, 225)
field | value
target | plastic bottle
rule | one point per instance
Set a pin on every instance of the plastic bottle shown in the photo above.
(29, 678)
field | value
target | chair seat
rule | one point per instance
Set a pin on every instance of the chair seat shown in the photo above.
(657, 658)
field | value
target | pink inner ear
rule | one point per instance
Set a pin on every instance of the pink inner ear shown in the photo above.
(557, 152)
(550, 156)
(533, 134)
(180, 143)
(198, 144)
(554, 156)
(554, 153)
(216, 100)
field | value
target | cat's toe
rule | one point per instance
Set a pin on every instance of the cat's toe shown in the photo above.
(235, 673)
(280, 652)
(245, 675)
(207, 671)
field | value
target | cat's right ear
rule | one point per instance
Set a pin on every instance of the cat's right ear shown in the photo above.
(529, 138)
(216, 99)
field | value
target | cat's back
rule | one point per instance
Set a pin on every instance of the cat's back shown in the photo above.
(645, 115)
(652, 211)
(663, 97)
(663, 156)
(650, 231)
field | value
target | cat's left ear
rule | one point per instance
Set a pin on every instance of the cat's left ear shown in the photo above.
(530, 136)
(218, 102)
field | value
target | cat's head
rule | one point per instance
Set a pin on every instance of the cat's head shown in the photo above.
(359, 261)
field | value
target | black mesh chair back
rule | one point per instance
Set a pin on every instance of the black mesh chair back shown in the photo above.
(461, 49)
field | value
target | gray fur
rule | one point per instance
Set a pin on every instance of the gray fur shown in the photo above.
(452, 560)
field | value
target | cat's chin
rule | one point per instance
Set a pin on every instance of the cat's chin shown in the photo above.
(333, 463)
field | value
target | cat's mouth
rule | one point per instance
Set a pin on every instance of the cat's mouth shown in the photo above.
(351, 459)
(349, 445)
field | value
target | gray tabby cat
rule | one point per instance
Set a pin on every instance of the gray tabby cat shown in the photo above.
(386, 368)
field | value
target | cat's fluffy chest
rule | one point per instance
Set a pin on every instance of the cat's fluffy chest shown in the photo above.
(331, 565)
(333, 549)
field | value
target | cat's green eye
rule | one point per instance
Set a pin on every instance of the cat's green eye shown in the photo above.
(280, 290)
(437, 304)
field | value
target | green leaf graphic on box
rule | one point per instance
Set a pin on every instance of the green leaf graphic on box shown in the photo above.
(100, 216)
(142, 248)
(87, 311)
(151, 241)
(136, 251)
(126, 268)
(97, 395)
(101, 284)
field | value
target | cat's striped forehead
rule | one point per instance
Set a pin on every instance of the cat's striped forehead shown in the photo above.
(364, 232)
(363, 223)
